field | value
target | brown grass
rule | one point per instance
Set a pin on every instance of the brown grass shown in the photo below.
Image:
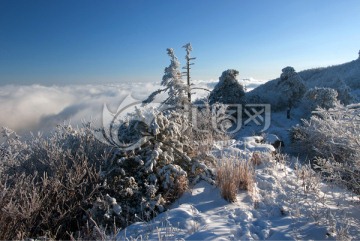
(232, 175)
(256, 159)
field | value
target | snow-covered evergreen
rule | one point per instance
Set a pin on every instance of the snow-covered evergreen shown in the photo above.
(172, 82)
(228, 90)
(291, 87)
(282, 93)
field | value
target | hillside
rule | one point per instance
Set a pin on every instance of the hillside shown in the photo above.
(336, 77)
(327, 77)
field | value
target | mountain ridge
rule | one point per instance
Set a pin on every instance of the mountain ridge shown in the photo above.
(346, 75)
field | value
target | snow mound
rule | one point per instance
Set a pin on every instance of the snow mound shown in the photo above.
(271, 138)
(256, 144)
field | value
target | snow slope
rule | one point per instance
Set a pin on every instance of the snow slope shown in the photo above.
(349, 72)
(286, 205)
(331, 77)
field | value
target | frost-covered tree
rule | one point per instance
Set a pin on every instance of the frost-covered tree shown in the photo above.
(172, 83)
(320, 97)
(228, 90)
(292, 87)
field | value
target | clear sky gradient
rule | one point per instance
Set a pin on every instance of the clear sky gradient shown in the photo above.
(92, 41)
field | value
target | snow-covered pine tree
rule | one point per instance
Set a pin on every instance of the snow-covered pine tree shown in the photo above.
(292, 87)
(228, 90)
(172, 83)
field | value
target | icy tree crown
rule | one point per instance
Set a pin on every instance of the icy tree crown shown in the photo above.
(172, 83)
(172, 72)
(287, 72)
(291, 85)
(172, 80)
(228, 90)
(188, 49)
(229, 76)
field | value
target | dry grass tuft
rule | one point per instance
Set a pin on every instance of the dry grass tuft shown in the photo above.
(233, 175)
(256, 159)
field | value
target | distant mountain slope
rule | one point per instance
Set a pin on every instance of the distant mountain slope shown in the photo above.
(348, 72)
(332, 76)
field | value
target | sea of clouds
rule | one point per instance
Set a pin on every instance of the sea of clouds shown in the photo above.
(25, 108)
(41, 108)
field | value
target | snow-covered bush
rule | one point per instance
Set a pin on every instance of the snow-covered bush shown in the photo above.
(291, 86)
(320, 97)
(209, 124)
(333, 135)
(344, 92)
(228, 90)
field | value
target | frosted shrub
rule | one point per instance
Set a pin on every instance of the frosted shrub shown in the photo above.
(47, 184)
(12, 150)
(209, 125)
(340, 85)
(320, 97)
(344, 92)
(333, 135)
(309, 179)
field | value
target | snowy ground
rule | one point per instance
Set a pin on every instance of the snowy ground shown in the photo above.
(287, 204)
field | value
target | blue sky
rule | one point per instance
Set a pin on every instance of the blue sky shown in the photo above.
(87, 41)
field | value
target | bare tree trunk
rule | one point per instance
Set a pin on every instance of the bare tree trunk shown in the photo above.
(288, 113)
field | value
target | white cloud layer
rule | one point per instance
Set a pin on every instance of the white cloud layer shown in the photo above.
(37, 107)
